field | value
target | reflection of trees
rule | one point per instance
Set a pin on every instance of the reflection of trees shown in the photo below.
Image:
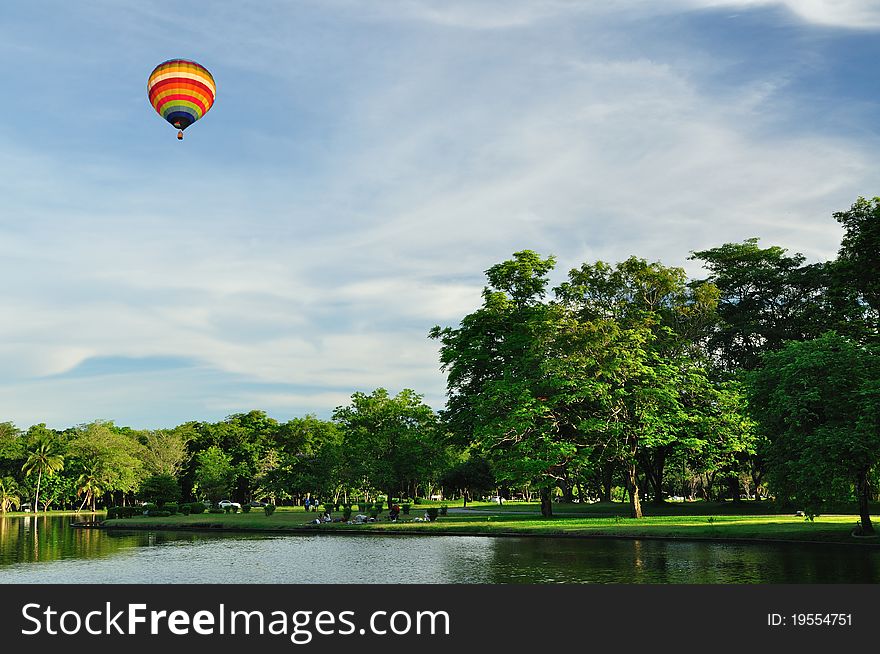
(31, 539)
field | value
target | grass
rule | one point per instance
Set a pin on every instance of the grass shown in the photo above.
(682, 522)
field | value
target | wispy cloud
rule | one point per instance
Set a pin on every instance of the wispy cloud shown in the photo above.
(365, 163)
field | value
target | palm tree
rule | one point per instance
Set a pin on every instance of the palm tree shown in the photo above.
(43, 457)
(8, 494)
(89, 486)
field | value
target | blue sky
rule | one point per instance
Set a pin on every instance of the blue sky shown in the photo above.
(366, 161)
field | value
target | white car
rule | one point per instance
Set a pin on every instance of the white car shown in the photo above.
(225, 504)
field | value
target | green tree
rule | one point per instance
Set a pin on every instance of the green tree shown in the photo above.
(215, 473)
(165, 451)
(497, 383)
(767, 297)
(159, 489)
(108, 456)
(44, 456)
(9, 494)
(859, 259)
(391, 443)
(818, 403)
(88, 486)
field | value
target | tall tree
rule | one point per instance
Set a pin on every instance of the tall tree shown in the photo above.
(44, 456)
(215, 473)
(818, 403)
(391, 442)
(108, 456)
(767, 297)
(859, 259)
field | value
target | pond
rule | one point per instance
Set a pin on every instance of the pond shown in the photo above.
(46, 549)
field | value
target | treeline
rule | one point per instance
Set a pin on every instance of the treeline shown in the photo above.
(629, 379)
(764, 374)
(377, 443)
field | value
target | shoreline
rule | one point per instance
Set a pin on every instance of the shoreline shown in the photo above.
(307, 530)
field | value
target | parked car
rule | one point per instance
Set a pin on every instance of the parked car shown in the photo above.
(225, 504)
(257, 504)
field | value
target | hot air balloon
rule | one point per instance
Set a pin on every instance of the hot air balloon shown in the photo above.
(181, 91)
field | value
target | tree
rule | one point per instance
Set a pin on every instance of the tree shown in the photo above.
(472, 476)
(215, 473)
(859, 258)
(497, 384)
(165, 451)
(88, 486)
(391, 443)
(818, 403)
(159, 489)
(43, 456)
(9, 495)
(107, 455)
(767, 297)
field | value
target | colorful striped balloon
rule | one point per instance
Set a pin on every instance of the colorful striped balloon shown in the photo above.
(181, 91)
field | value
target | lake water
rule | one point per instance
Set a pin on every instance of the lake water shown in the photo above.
(47, 550)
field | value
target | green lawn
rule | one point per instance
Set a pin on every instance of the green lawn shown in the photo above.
(826, 528)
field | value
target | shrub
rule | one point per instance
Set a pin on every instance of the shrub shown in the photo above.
(443, 509)
(417, 500)
(156, 513)
(363, 507)
(379, 505)
(146, 508)
(246, 508)
(346, 511)
(217, 509)
(405, 506)
(185, 509)
(269, 509)
(112, 512)
(197, 507)
(432, 513)
(227, 509)
(329, 507)
(172, 508)
(374, 512)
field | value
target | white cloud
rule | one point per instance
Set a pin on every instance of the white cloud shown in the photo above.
(443, 156)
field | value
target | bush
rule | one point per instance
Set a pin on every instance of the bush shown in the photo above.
(443, 509)
(269, 509)
(346, 512)
(197, 507)
(379, 505)
(363, 507)
(112, 512)
(405, 506)
(185, 509)
(217, 509)
(374, 513)
(156, 513)
(329, 507)
(432, 513)
(246, 508)
(417, 500)
(146, 508)
(227, 509)
(172, 508)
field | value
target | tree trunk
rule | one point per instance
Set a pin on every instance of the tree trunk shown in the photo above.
(546, 504)
(864, 513)
(635, 506)
(464, 499)
(37, 497)
(734, 488)
(655, 473)
(607, 481)
(567, 495)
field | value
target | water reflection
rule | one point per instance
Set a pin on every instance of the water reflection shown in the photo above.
(46, 549)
